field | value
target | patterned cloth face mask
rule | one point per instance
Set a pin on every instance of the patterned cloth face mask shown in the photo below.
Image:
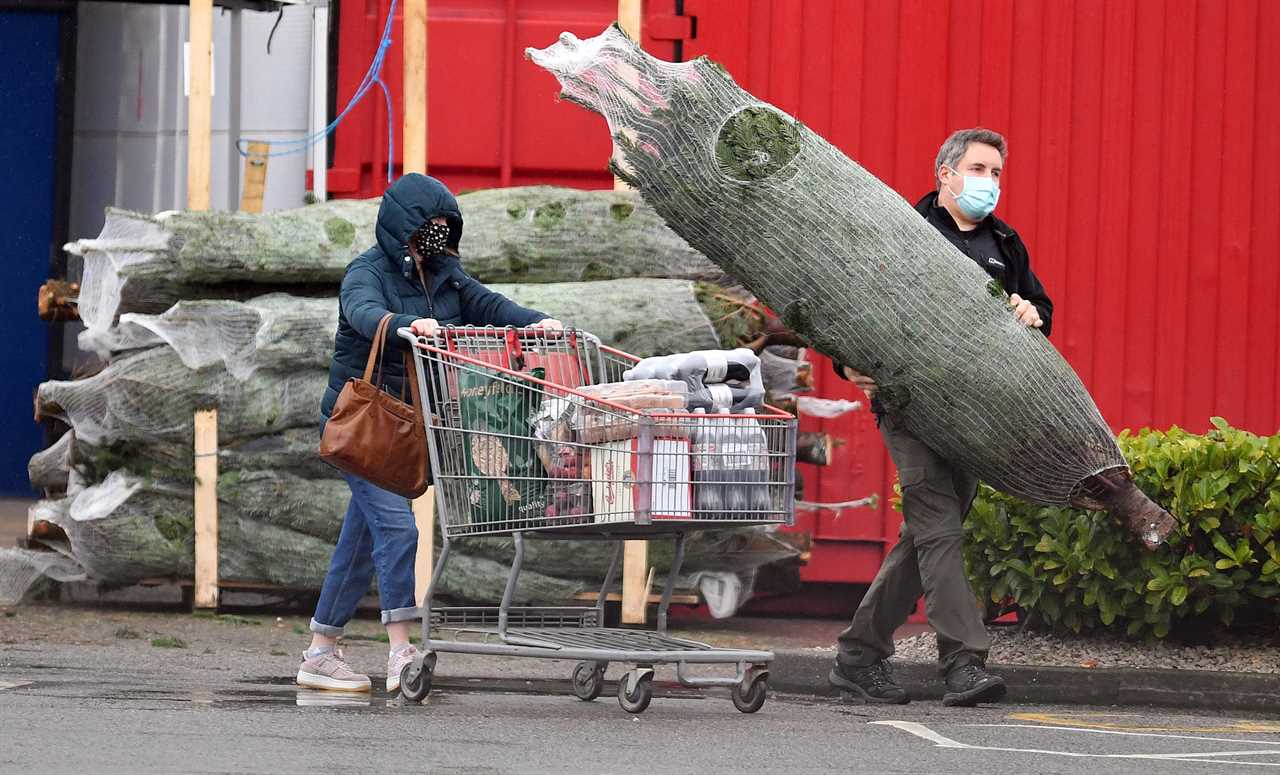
(430, 239)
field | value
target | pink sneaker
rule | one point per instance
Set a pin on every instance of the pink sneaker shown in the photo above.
(331, 671)
(395, 664)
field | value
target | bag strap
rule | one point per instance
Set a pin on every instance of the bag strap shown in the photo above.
(375, 350)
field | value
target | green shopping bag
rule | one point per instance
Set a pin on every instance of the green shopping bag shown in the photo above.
(506, 487)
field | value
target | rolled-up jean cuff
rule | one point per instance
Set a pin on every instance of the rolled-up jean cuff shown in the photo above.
(327, 630)
(400, 615)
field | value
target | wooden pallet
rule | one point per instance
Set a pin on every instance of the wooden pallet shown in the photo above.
(653, 599)
(249, 586)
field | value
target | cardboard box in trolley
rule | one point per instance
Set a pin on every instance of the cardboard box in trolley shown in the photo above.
(615, 470)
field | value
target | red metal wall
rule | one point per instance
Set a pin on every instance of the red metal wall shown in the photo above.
(1141, 139)
(1142, 144)
(492, 116)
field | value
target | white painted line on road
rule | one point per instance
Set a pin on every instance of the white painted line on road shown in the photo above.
(920, 730)
(941, 741)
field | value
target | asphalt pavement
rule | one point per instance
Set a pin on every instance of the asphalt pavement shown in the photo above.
(78, 709)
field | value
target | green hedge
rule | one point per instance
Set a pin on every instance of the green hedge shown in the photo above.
(1080, 570)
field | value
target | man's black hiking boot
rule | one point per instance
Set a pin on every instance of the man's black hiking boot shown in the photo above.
(969, 684)
(870, 684)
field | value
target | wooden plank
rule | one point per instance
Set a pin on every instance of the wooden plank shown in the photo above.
(206, 508)
(223, 584)
(200, 105)
(635, 560)
(629, 20)
(629, 16)
(424, 516)
(415, 86)
(255, 177)
(635, 554)
(654, 599)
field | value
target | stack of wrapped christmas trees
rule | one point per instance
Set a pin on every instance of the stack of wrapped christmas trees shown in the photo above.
(188, 310)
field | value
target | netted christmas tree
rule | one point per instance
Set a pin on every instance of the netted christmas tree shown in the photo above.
(856, 271)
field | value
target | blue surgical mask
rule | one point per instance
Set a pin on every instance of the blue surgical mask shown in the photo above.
(978, 198)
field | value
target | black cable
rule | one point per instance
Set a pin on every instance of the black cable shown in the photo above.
(274, 27)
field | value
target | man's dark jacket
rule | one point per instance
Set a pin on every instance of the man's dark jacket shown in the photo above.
(1015, 274)
(383, 279)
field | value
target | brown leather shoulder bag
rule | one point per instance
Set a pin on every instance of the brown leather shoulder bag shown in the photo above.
(376, 436)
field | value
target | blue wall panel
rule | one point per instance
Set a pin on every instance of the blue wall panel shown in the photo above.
(28, 133)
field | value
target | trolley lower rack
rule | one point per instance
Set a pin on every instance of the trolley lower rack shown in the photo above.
(577, 633)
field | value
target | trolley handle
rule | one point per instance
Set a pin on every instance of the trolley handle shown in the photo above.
(511, 333)
(515, 349)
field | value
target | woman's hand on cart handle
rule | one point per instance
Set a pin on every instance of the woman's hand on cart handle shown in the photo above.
(549, 324)
(424, 327)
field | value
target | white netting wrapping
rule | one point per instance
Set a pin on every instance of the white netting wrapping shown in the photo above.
(20, 569)
(280, 331)
(280, 528)
(109, 342)
(546, 234)
(541, 234)
(825, 408)
(145, 264)
(126, 244)
(152, 396)
(642, 316)
(855, 270)
(127, 528)
(48, 468)
(276, 331)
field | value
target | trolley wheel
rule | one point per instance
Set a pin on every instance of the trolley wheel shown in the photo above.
(588, 680)
(635, 691)
(749, 696)
(415, 678)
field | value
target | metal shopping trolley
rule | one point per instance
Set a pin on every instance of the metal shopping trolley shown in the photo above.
(524, 443)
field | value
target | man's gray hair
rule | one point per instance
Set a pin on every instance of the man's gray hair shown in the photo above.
(952, 151)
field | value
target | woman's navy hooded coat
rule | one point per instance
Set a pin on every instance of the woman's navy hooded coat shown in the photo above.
(383, 279)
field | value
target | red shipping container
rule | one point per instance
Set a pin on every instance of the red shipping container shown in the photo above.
(492, 117)
(1139, 135)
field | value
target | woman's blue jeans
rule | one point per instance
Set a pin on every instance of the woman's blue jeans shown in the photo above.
(379, 534)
